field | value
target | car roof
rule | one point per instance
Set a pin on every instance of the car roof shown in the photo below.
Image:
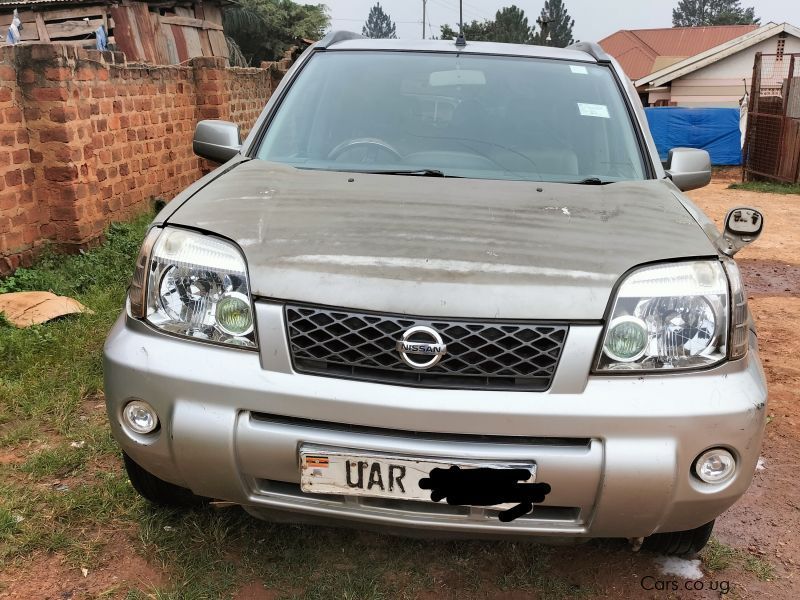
(349, 41)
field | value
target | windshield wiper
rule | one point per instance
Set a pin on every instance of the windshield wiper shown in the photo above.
(413, 172)
(592, 181)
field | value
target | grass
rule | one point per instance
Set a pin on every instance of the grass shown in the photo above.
(719, 557)
(759, 567)
(768, 187)
(68, 494)
(66, 491)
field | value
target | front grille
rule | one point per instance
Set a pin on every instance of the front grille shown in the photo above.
(491, 355)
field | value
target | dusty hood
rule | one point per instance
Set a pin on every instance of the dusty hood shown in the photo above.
(442, 247)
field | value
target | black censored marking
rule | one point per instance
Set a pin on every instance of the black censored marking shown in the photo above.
(486, 487)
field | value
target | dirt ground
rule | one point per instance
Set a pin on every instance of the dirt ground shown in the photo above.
(763, 526)
(767, 520)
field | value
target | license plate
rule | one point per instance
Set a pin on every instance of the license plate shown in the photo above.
(354, 473)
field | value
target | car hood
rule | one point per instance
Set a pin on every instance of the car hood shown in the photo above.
(438, 246)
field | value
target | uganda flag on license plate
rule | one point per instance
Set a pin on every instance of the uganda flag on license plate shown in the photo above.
(316, 462)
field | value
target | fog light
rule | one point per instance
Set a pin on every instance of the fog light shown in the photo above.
(234, 315)
(140, 416)
(715, 466)
(626, 340)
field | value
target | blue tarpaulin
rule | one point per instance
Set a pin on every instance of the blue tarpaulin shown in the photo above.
(713, 129)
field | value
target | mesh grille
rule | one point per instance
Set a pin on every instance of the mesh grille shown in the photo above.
(492, 355)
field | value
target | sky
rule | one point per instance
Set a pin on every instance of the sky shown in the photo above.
(594, 19)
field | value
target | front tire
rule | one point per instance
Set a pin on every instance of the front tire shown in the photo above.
(679, 543)
(158, 491)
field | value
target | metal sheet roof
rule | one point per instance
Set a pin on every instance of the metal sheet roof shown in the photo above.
(637, 49)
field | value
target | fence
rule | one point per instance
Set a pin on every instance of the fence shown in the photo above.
(772, 142)
(87, 138)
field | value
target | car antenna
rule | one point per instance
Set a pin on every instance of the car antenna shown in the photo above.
(461, 41)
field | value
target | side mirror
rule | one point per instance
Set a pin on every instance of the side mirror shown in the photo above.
(219, 141)
(743, 225)
(689, 168)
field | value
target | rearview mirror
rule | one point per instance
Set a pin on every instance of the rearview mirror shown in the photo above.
(743, 225)
(689, 168)
(219, 141)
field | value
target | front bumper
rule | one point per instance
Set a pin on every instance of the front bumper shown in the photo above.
(616, 451)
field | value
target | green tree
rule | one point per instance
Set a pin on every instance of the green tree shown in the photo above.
(511, 26)
(264, 29)
(379, 25)
(477, 31)
(695, 13)
(555, 25)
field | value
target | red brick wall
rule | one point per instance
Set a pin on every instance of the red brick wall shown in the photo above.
(249, 91)
(20, 219)
(87, 139)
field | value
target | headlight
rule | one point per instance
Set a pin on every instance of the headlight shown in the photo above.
(668, 317)
(196, 286)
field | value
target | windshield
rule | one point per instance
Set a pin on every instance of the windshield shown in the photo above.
(458, 115)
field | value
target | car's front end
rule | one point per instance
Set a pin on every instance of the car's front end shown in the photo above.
(311, 343)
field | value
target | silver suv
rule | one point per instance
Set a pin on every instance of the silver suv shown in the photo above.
(444, 287)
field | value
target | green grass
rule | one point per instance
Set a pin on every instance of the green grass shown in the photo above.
(768, 187)
(51, 379)
(719, 557)
(759, 567)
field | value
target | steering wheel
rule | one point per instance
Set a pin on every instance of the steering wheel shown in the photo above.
(373, 143)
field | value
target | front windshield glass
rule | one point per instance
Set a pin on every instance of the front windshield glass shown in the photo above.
(461, 115)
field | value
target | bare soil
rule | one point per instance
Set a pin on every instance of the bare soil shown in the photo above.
(52, 577)
(764, 525)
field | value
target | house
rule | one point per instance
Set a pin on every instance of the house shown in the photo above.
(162, 32)
(698, 66)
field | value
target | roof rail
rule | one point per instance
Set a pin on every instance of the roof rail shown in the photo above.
(334, 37)
(592, 49)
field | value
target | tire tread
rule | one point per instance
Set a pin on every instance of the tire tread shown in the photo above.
(158, 491)
(679, 543)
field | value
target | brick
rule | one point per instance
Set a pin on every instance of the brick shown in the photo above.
(8, 73)
(57, 74)
(58, 134)
(67, 173)
(20, 156)
(12, 115)
(85, 74)
(50, 94)
(5, 94)
(62, 114)
(13, 178)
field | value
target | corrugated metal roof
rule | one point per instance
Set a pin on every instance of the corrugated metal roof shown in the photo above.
(637, 49)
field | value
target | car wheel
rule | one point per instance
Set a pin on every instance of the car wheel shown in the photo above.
(679, 543)
(157, 490)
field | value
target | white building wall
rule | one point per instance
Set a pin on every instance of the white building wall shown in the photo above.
(722, 83)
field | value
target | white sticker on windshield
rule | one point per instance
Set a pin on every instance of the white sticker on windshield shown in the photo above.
(578, 69)
(594, 110)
